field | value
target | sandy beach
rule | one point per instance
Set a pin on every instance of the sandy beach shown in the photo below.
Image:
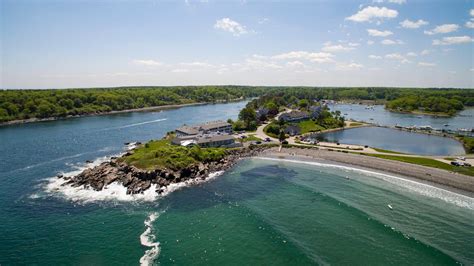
(441, 178)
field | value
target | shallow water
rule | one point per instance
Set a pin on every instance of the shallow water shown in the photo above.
(260, 212)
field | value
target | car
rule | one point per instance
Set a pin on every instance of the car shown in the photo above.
(457, 163)
(467, 164)
(258, 142)
(243, 137)
(461, 158)
(267, 140)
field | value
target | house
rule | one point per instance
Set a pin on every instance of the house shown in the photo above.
(216, 141)
(262, 113)
(315, 111)
(186, 131)
(294, 116)
(205, 128)
(292, 130)
(206, 141)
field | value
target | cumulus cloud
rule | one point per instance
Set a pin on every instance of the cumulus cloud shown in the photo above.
(453, 40)
(372, 12)
(391, 1)
(471, 12)
(197, 64)
(425, 64)
(229, 25)
(370, 42)
(147, 62)
(348, 66)
(425, 52)
(470, 24)
(412, 54)
(336, 48)
(408, 24)
(445, 28)
(375, 56)
(304, 55)
(378, 33)
(398, 57)
(391, 42)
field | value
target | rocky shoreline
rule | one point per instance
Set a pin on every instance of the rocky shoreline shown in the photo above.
(138, 180)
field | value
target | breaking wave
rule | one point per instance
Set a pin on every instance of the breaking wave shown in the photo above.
(137, 124)
(417, 187)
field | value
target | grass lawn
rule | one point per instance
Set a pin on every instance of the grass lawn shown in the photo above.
(250, 138)
(162, 154)
(355, 124)
(426, 162)
(309, 126)
(388, 151)
(265, 129)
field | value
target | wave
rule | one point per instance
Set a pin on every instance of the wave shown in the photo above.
(417, 187)
(136, 124)
(148, 239)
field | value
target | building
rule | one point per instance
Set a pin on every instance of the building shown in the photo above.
(262, 113)
(206, 141)
(315, 111)
(292, 130)
(216, 141)
(205, 128)
(294, 116)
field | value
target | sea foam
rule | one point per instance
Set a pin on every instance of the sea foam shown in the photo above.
(148, 239)
(416, 187)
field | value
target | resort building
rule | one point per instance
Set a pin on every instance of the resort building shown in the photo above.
(292, 130)
(205, 128)
(294, 116)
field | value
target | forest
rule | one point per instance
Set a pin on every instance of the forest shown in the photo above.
(25, 104)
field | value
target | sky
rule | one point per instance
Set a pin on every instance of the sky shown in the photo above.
(399, 43)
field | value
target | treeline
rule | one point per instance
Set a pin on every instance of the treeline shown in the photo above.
(25, 104)
(432, 104)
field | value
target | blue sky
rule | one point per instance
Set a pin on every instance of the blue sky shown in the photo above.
(403, 43)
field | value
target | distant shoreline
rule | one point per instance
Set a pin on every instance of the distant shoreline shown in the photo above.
(144, 109)
(454, 182)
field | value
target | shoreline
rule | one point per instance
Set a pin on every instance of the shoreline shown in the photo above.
(458, 183)
(144, 109)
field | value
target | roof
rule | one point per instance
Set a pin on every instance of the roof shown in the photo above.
(188, 130)
(295, 114)
(213, 124)
(215, 138)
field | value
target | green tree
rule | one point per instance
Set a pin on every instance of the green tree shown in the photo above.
(248, 115)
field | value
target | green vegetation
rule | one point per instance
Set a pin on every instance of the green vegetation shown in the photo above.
(387, 151)
(428, 105)
(272, 130)
(355, 124)
(24, 104)
(250, 138)
(468, 143)
(162, 154)
(426, 162)
(309, 126)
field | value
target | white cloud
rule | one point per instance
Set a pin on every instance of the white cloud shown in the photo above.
(390, 1)
(397, 1)
(348, 66)
(471, 12)
(373, 12)
(453, 40)
(412, 54)
(180, 70)
(295, 64)
(391, 42)
(377, 33)
(445, 28)
(197, 64)
(375, 56)
(370, 42)
(353, 44)
(336, 48)
(413, 24)
(425, 52)
(263, 20)
(304, 55)
(147, 62)
(229, 25)
(398, 57)
(261, 64)
(470, 24)
(425, 64)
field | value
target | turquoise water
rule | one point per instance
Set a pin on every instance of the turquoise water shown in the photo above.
(396, 140)
(261, 212)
